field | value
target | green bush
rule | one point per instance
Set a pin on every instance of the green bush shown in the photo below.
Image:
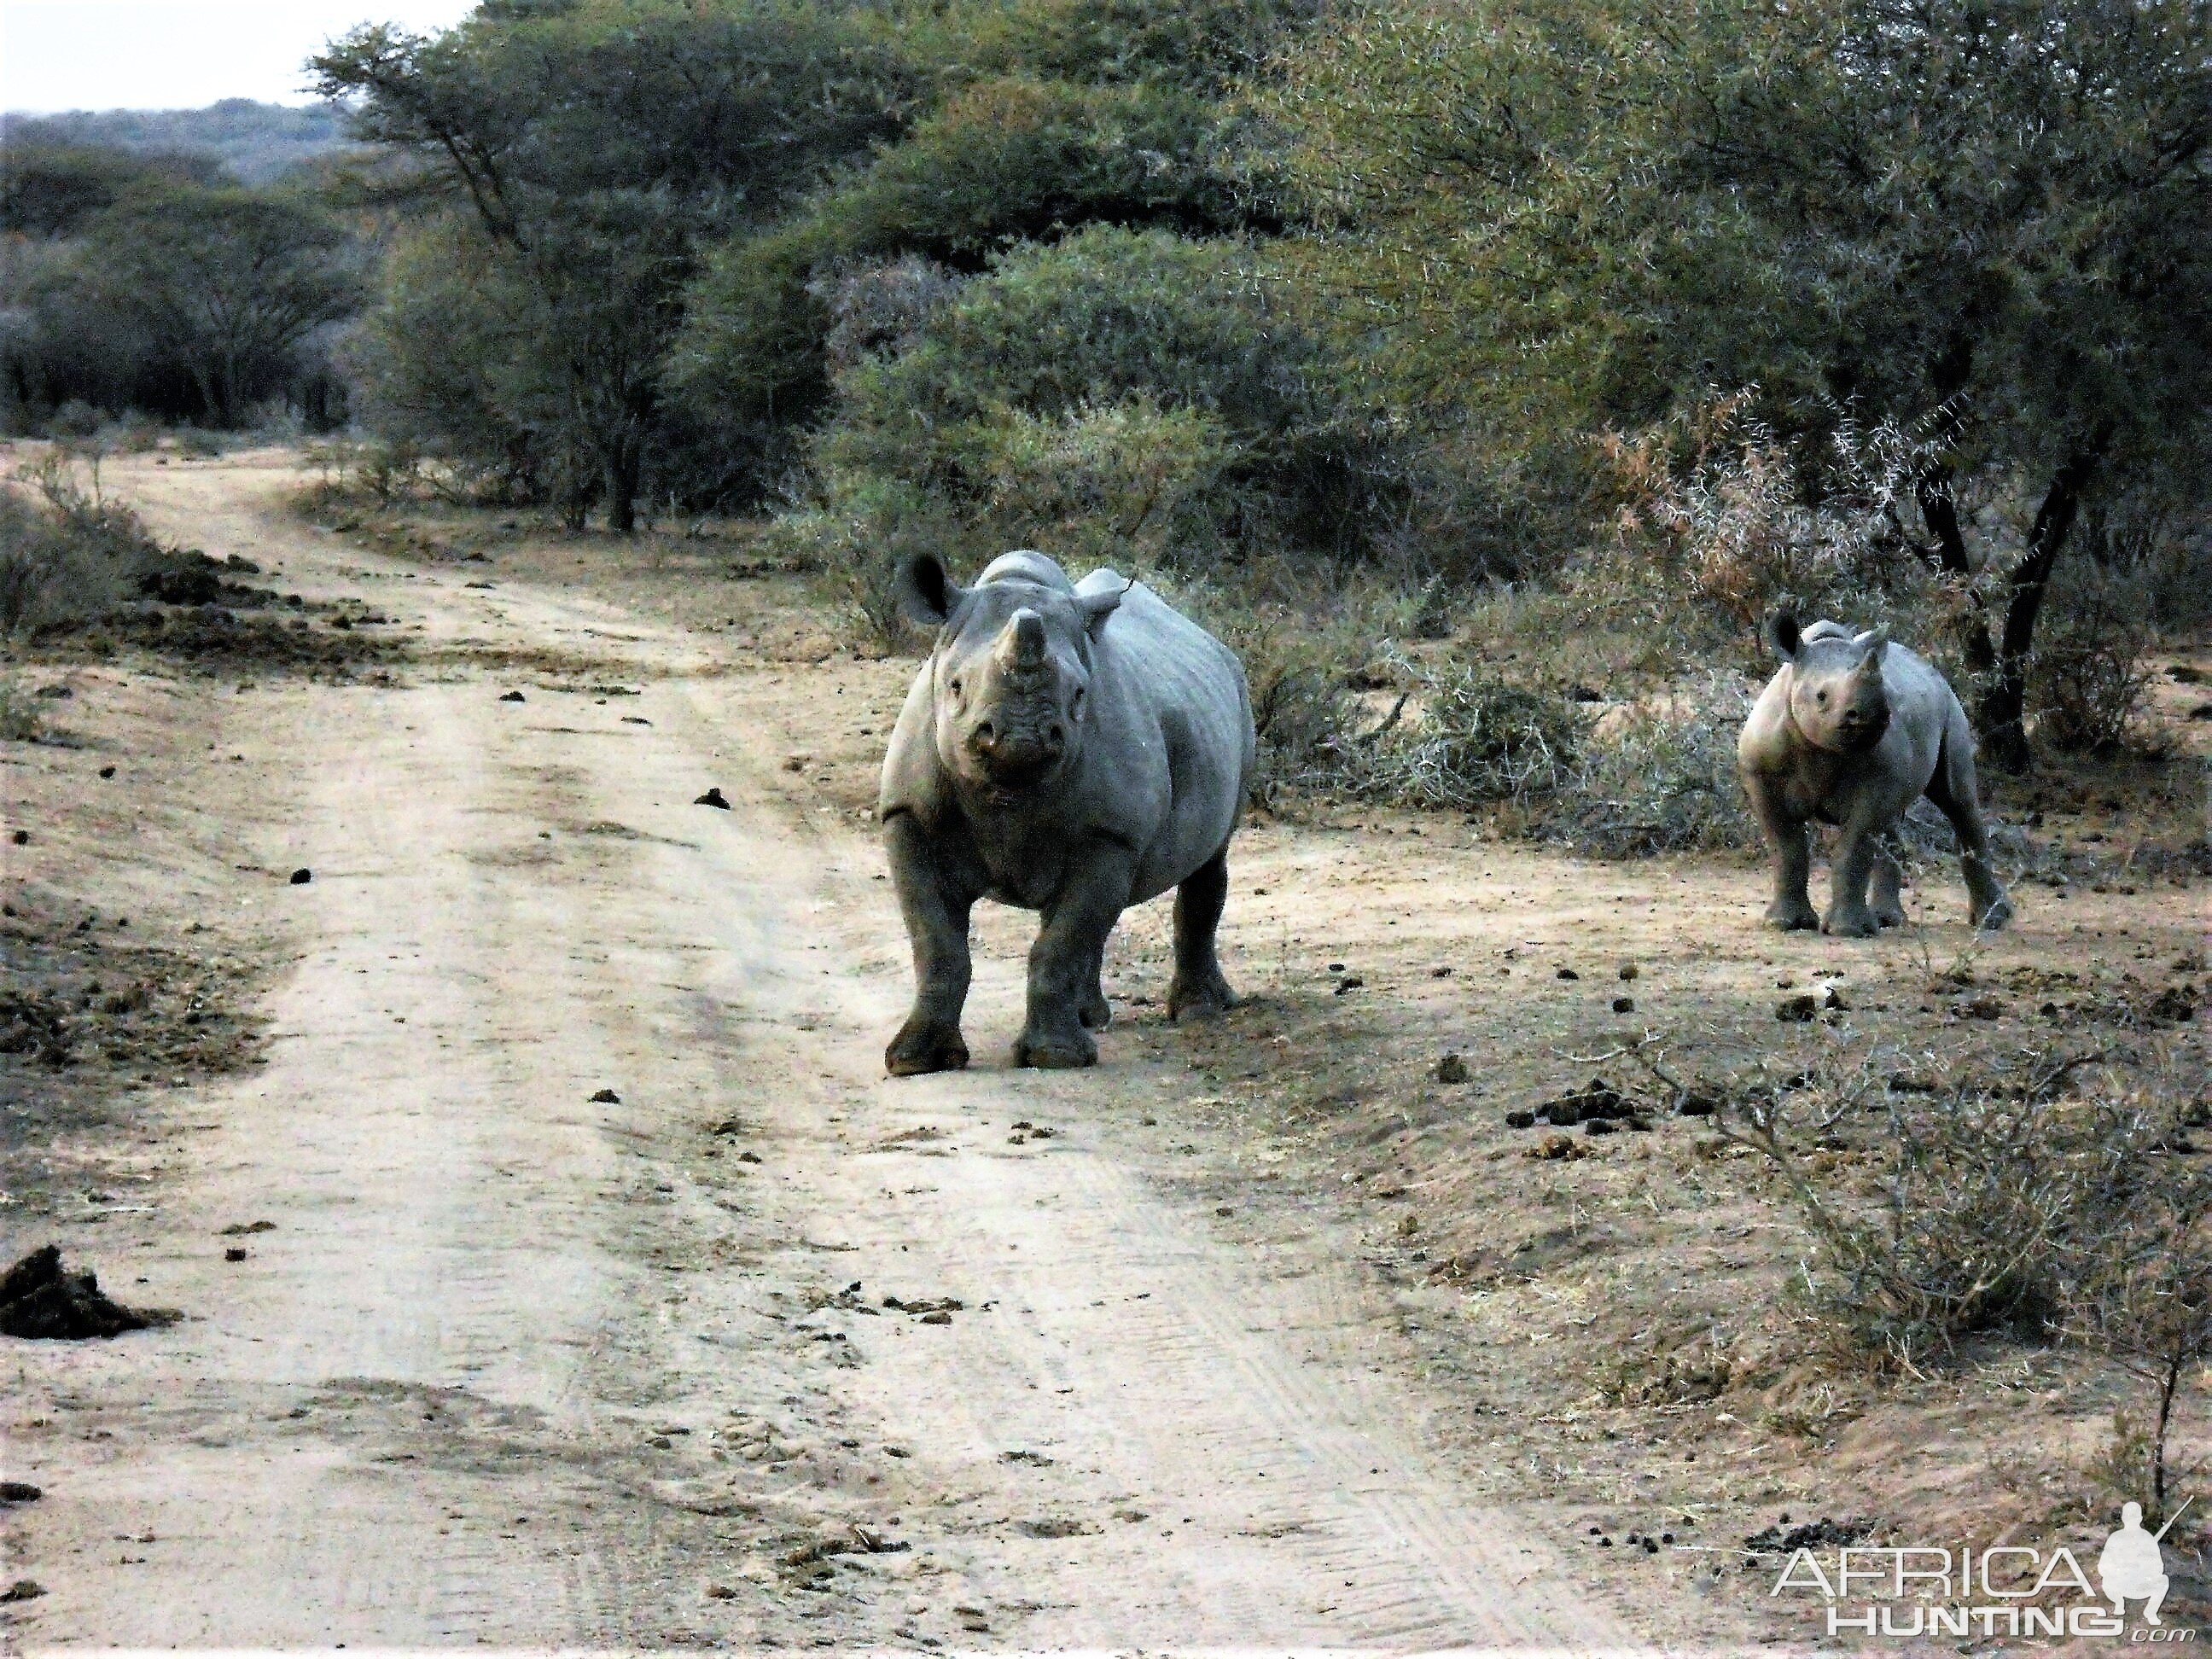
(1015, 158)
(1132, 373)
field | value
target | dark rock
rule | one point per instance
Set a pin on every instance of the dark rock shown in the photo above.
(20, 1491)
(21, 838)
(712, 798)
(1451, 1069)
(1629, 970)
(303, 876)
(511, 697)
(1568, 973)
(108, 771)
(1520, 1119)
(41, 1302)
(1692, 1104)
(1624, 1005)
(606, 1097)
(23, 1589)
(1349, 983)
(1598, 1126)
(235, 1253)
(1796, 1010)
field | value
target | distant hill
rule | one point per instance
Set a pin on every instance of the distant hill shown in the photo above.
(254, 141)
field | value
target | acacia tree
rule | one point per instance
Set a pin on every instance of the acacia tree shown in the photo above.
(1986, 219)
(591, 149)
(223, 283)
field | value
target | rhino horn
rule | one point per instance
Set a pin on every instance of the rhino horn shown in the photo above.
(1022, 644)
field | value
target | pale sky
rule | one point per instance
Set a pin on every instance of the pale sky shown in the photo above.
(180, 54)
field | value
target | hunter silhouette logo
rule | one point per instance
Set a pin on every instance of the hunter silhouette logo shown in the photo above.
(2131, 1565)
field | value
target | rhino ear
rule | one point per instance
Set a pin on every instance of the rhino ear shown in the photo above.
(927, 596)
(1871, 645)
(1782, 634)
(1096, 607)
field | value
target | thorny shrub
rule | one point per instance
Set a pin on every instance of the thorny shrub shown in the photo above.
(67, 553)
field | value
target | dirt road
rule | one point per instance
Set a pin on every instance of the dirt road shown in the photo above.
(609, 1294)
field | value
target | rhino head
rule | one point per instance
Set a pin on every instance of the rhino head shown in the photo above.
(1011, 673)
(1837, 698)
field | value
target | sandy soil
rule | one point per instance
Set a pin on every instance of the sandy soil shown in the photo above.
(1261, 1333)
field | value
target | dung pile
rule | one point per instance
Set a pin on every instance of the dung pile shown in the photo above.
(40, 1301)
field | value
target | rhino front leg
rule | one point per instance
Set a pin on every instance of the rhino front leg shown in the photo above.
(937, 923)
(1065, 960)
(1198, 986)
(1791, 909)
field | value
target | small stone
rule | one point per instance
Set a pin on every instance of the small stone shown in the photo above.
(1598, 1126)
(1624, 1005)
(235, 1253)
(1629, 970)
(303, 876)
(511, 696)
(1349, 983)
(1451, 1069)
(23, 1589)
(1796, 1010)
(1520, 1119)
(606, 1097)
(21, 838)
(20, 1491)
(108, 771)
(713, 798)
(1568, 973)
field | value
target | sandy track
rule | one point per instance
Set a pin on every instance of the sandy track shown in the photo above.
(514, 1366)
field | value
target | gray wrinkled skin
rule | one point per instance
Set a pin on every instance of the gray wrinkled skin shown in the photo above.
(1851, 732)
(1071, 749)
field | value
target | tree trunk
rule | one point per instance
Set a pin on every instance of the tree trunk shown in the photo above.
(1940, 509)
(2004, 709)
(623, 467)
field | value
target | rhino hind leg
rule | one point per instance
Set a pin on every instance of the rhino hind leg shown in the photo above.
(1097, 1012)
(1957, 795)
(1198, 986)
(1887, 898)
(1850, 866)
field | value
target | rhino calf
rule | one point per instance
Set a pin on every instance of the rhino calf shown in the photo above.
(1851, 732)
(1071, 749)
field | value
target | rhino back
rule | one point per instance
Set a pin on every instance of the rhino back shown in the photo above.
(1171, 750)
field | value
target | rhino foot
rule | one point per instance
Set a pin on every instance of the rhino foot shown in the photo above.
(1994, 919)
(1202, 998)
(922, 1046)
(1097, 1012)
(1792, 918)
(1857, 922)
(1056, 1051)
(1889, 915)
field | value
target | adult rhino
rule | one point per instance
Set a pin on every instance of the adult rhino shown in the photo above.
(1851, 732)
(1068, 747)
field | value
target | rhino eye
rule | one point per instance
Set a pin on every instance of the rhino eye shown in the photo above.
(955, 690)
(1822, 698)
